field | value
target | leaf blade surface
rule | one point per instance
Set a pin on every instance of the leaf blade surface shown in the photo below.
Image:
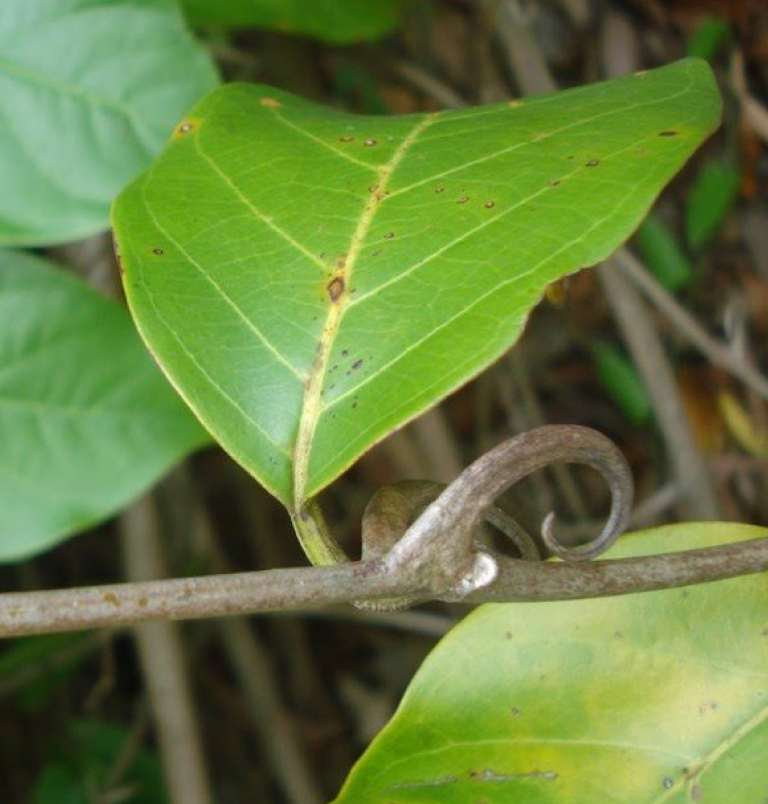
(88, 422)
(345, 272)
(89, 93)
(648, 698)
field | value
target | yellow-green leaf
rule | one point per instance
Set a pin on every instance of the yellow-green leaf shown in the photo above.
(656, 698)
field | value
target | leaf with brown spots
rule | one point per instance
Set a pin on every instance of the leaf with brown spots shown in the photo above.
(408, 251)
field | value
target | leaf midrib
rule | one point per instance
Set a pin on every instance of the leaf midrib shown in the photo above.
(312, 405)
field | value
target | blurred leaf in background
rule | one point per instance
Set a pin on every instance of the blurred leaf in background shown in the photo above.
(100, 761)
(334, 21)
(663, 254)
(89, 93)
(88, 421)
(709, 201)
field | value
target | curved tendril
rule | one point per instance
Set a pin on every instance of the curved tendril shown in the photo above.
(515, 532)
(440, 542)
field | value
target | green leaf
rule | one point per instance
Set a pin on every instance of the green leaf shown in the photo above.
(334, 21)
(623, 382)
(88, 422)
(709, 37)
(92, 750)
(710, 200)
(663, 254)
(311, 279)
(656, 697)
(89, 93)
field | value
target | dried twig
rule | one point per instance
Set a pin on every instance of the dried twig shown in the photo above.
(719, 353)
(165, 672)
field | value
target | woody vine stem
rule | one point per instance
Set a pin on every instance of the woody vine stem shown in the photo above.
(420, 542)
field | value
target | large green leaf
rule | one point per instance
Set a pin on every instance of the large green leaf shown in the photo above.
(89, 92)
(87, 420)
(336, 21)
(644, 699)
(311, 280)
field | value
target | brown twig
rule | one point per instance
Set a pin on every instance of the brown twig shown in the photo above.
(165, 672)
(435, 558)
(716, 351)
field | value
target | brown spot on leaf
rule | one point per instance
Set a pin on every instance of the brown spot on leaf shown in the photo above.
(554, 182)
(143, 602)
(186, 127)
(490, 204)
(668, 133)
(346, 138)
(158, 252)
(111, 598)
(592, 163)
(270, 103)
(335, 289)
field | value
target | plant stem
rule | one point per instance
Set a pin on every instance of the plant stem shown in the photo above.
(315, 537)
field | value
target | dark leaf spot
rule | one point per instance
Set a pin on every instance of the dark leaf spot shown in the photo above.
(335, 288)
(592, 163)
(463, 199)
(668, 133)
(668, 783)
(357, 364)
(354, 405)
(554, 182)
(389, 235)
(490, 204)
(440, 190)
(344, 352)
(158, 252)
